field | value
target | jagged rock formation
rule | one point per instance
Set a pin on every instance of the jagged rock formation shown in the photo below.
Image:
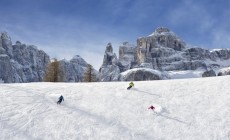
(126, 56)
(74, 69)
(20, 62)
(210, 73)
(109, 70)
(163, 50)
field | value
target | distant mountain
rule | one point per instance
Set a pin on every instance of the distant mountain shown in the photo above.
(161, 55)
(21, 63)
(161, 51)
(74, 69)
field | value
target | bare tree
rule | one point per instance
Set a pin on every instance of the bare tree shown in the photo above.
(89, 75)
(54, 72)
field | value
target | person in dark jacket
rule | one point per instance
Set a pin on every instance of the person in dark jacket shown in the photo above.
(61, 98)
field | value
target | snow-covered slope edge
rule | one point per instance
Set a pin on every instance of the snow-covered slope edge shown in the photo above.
(192, 109)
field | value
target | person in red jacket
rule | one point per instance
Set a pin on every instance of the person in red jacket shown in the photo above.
(151, 107)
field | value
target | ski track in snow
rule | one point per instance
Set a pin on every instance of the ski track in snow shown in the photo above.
(186, 109)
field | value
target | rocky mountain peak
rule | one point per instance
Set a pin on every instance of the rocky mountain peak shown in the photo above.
(5, 44)
(162, 29)
(163, 51)
(4, 35)
(109, 48)
(77, 59)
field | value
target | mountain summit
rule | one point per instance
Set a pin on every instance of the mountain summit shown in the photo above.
(164, 51)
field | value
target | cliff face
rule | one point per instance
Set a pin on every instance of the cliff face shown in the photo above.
(20, 62)
(164, 51)
(109, 70)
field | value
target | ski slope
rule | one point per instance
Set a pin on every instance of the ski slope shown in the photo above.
(188, 109)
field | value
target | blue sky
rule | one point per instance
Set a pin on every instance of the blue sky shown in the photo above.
(64, 28)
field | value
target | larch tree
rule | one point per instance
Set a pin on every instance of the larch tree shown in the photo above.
(54, 72)
(89, 75)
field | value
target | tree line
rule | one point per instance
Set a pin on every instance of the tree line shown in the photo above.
(55, 73)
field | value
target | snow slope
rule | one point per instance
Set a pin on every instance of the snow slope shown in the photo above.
(188, 109)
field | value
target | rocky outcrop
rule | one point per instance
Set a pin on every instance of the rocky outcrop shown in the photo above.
(74, 70)
(126, 56)
(163, 50)
(110, 58)
(161, 43)
(141, 74)
(210, 73)
(109, 73)
(109, 70)
(224, 71)
(5, 44)
(6, 69)
(20, 62)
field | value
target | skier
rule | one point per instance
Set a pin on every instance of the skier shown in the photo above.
(153, 109)
(130, 85)
(60, 99)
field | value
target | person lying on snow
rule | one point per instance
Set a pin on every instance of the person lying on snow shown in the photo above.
(130, 85)
(61, 98)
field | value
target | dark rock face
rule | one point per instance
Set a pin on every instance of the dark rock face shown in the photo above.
(21, 63)
(210, 73)
(141, 75)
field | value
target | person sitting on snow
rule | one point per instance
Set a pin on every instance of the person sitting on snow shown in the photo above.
(61, 98)
(130, 85)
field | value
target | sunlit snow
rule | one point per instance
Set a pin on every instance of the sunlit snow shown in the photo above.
(187, 109)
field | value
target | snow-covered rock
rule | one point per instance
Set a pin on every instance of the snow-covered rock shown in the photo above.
(110, 58)
(6, 44)
(142, 74)
(126, 56)
(164, 51)
(74, 70)
(109, 71)
(20, 62)
(209, 73)
(224, 71)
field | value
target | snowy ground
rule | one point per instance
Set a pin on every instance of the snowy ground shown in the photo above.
(188, 109)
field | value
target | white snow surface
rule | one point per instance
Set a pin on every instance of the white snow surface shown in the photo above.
(187, 109)
(185, 74)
